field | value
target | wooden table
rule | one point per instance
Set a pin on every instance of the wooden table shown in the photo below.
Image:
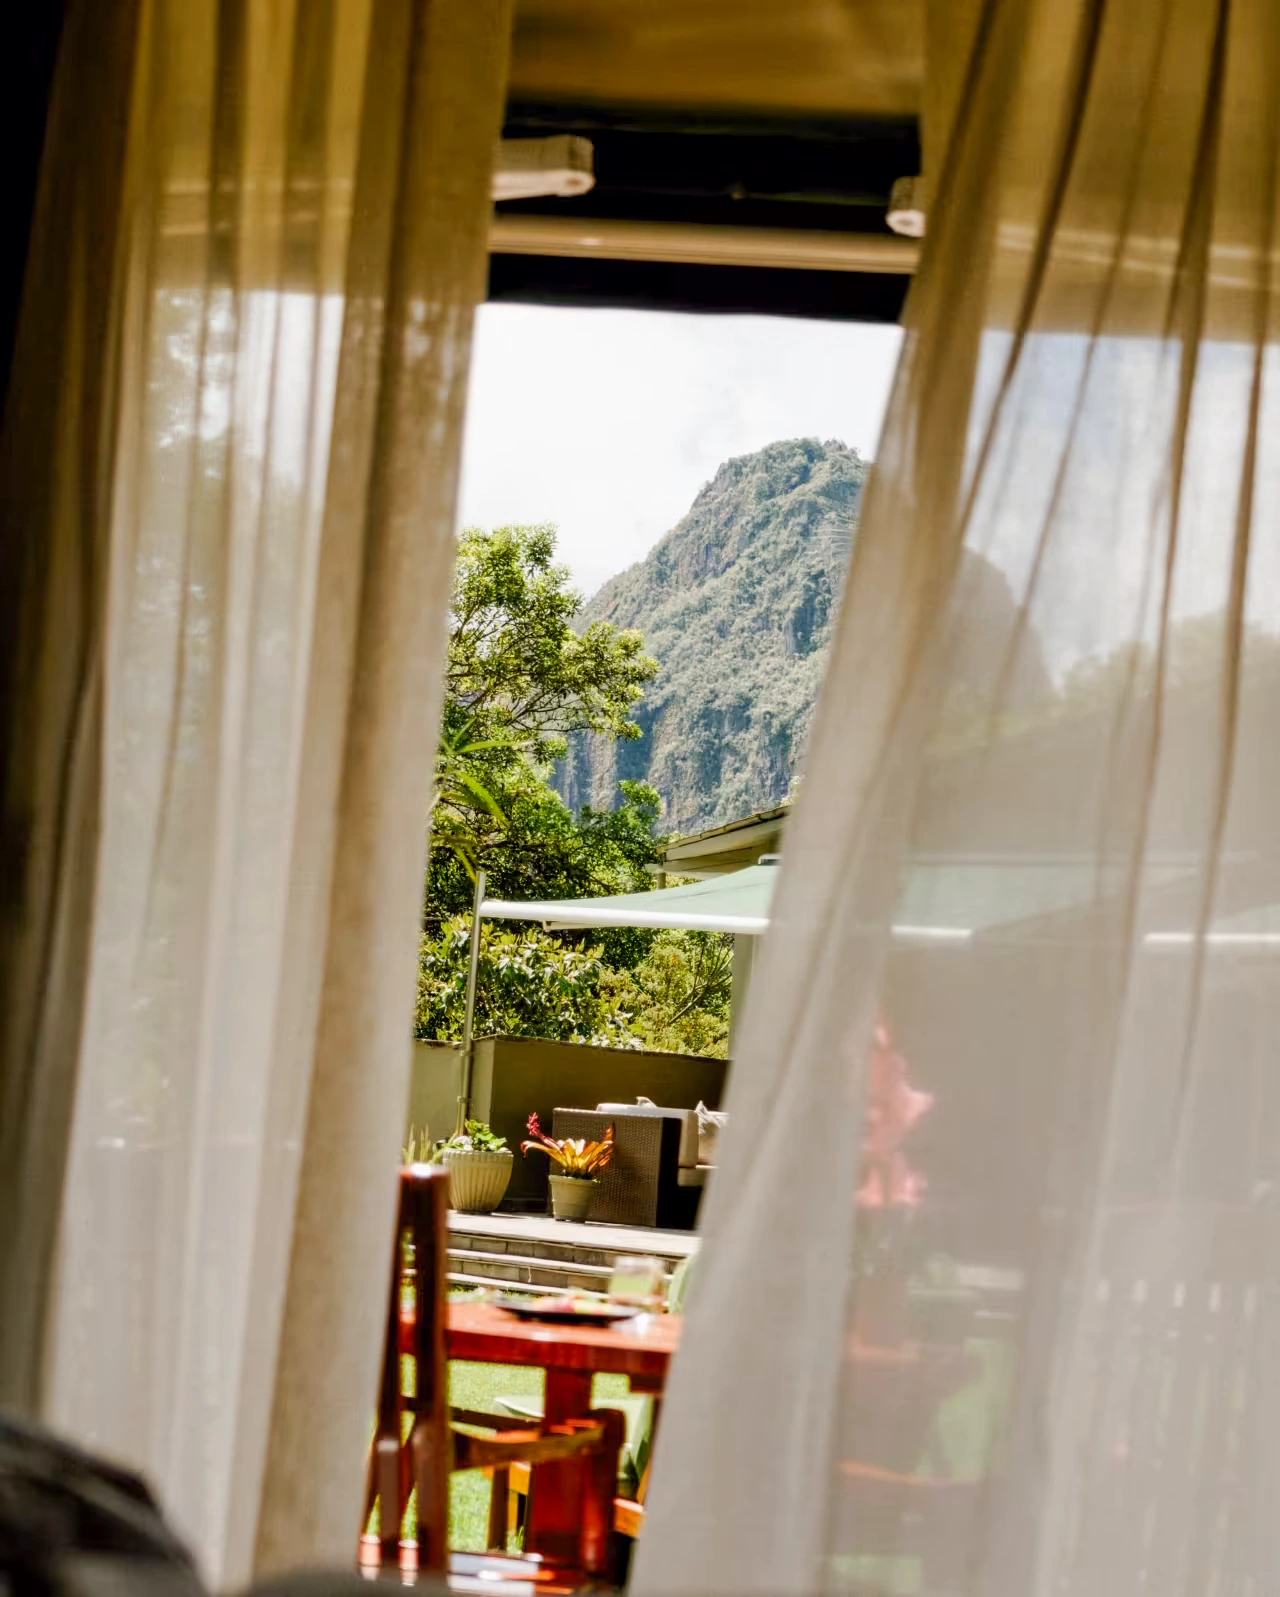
(570, 1354)
(641, 1349)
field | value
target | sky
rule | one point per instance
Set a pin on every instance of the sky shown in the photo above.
(608, 422)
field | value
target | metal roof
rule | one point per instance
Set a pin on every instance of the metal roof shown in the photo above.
(719, 849)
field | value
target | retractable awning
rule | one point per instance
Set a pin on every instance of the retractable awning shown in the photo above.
(942, 901)
(736, 903)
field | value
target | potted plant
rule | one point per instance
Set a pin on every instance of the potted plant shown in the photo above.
(418, 1148)
(479, 1165)
(574, 1187)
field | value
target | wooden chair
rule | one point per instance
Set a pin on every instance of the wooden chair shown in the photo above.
(511, 1502)
(628, 1512)
(576, 1540)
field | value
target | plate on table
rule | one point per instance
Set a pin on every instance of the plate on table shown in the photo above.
(570, 1311)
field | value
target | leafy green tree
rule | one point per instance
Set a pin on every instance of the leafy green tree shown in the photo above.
(519, 681)
(677, 995)
(529, 984)
(516, 666)
(541, 850)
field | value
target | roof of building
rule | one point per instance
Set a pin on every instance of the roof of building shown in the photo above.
(728, 847)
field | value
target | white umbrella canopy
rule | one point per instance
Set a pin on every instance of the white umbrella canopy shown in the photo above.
(738, 902)
(941, 900)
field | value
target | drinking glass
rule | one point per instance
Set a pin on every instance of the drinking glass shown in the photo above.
(638, 1280)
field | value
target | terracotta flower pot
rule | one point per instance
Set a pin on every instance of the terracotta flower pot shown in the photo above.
(571, 1197)
(478, 1179)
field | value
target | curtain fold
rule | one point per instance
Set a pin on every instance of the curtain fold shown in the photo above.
(235, 492)
(455, 78)
(55, 459)
(991, 1287)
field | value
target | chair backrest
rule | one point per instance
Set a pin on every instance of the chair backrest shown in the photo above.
(415, 1326)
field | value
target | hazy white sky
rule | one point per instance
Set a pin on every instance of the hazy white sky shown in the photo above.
(608, 422)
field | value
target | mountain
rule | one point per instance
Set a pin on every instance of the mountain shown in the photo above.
(737, 602)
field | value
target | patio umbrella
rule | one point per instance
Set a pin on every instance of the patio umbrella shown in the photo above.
(738, 903)
(943, 901)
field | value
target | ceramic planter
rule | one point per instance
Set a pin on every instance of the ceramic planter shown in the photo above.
(571, 1197)
(477, 1178)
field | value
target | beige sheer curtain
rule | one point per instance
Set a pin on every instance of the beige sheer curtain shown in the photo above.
(1034, 874)
(235, 429)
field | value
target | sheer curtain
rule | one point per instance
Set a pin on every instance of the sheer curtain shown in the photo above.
(990, 1294)
(236, 424)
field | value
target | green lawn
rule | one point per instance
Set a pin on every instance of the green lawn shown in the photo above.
(478, 1386)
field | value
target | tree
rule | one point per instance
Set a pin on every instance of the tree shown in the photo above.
(677, 995)
(528, 984)
(516, 666)
(519, 680)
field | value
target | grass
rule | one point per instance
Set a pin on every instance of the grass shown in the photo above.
(478, 1387)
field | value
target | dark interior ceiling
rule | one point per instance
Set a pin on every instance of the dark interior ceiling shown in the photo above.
(731, 170)
(778, 114)
(792, 59)
(687, 286)
(31, 35)
(719, 169)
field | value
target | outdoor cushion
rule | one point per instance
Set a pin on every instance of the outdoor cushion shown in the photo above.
(638, 1414)
(688, 1119)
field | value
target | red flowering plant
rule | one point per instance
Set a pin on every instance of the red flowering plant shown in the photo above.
(575, 1155)
(890, 1189)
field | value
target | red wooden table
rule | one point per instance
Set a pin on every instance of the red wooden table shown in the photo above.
(570, 1354)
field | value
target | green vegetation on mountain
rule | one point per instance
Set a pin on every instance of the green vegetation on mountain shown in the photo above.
(738, 603)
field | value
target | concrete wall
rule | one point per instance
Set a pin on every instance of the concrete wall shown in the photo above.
(514, 1076)
(434, 1087)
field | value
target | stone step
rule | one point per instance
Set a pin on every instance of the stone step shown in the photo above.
(470, 1283)
(535, 1253)
(512, 1270)
(498, 1262)
(539, 1236)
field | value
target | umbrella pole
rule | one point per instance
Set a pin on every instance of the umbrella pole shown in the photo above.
(469, 1013)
